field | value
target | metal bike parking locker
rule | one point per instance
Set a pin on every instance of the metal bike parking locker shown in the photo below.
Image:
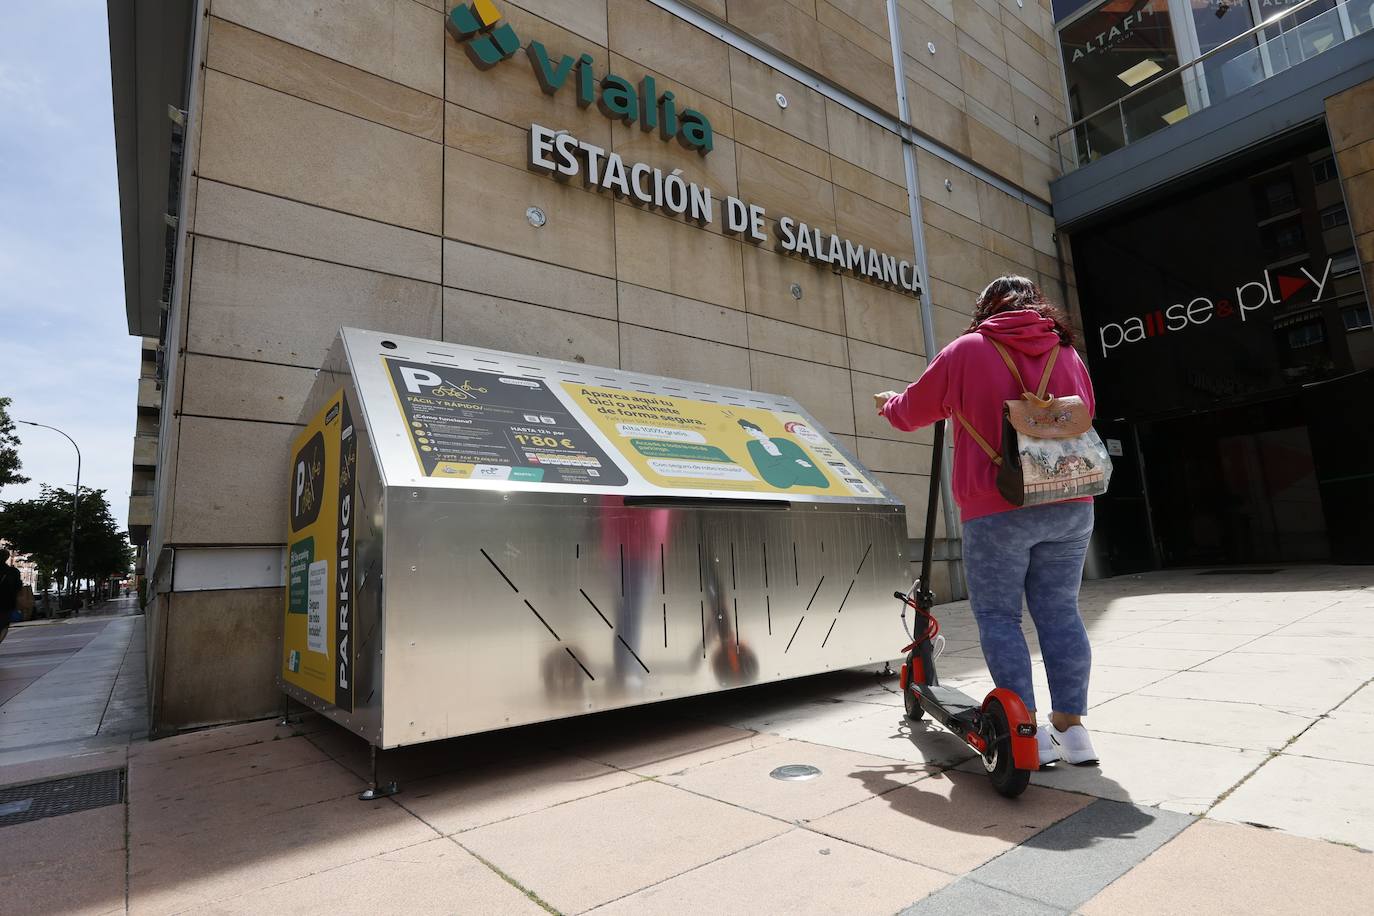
(479, 540)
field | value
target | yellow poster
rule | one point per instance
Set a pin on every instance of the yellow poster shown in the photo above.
(317, 653)
(681, 443)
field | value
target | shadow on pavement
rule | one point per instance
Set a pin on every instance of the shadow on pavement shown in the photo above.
(957, 800)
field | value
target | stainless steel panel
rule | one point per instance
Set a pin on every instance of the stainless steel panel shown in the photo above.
(483, 605)
(503, 610)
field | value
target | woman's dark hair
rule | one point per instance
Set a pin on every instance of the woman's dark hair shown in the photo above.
(1010, 294)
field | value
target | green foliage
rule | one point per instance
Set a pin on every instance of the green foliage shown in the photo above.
(42, 527)
(9, 448)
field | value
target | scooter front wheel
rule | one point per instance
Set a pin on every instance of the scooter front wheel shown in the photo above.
(997, 760)
(915, 674)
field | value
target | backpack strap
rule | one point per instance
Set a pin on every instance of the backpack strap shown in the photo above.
(1006, 358)
(1011, 364)
(1045, 379)
(982, 443)
(1040, 393)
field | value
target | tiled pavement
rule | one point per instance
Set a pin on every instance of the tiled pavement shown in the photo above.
(1219, 703)
(68, 684)
(71, 682)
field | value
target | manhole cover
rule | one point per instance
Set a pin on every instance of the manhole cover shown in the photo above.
(35, 801)
(795, 772)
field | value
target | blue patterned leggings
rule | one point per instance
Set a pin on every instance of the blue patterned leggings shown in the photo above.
(1038, 551)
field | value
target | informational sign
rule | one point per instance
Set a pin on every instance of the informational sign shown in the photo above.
(317, 602)
(471, 425)
(318, 651)
(680, 443)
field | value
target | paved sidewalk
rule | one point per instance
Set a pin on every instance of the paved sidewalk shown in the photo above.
(67, 684)
(1219, 703)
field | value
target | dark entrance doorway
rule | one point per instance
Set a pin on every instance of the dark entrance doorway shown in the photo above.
(1236, 486)
(1343, 446)
(1228, 333)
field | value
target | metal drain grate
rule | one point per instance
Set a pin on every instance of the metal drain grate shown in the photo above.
(37, 800)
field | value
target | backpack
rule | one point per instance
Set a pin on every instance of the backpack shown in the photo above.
(1050, 451)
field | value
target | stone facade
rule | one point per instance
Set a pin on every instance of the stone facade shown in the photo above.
(351, 166)
(1352, 138)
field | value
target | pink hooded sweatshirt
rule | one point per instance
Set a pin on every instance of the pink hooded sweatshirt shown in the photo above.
(969, 376)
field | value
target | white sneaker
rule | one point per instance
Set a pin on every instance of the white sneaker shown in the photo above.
(1049, 751)
(1074, 745)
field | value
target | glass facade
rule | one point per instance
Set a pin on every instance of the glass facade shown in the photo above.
(1226, 351)
(1107, 53)
(1216, 22)
(1119, 56)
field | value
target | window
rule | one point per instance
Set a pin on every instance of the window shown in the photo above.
(1117, 48)
(1277, 197)
(1344, 262)
(1239, 66)
(1283, 239)
(1306, 335)
(1361, 17)
(1324, 170)
(1335, 216)
(1292, 39)
(1356, 317)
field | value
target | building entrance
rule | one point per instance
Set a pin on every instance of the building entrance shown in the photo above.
(1235, 486)
(1229, 337)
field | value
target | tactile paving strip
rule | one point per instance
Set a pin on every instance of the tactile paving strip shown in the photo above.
(67, 795)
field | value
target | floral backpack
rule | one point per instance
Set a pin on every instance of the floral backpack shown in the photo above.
(1050, 451)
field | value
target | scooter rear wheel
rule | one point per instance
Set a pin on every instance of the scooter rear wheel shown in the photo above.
(997, 760)
(910, 702)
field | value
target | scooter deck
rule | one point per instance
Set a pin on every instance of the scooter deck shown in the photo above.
(952, 701)
(953, 709)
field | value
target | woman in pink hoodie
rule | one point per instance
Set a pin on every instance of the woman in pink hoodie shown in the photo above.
(1009, 551)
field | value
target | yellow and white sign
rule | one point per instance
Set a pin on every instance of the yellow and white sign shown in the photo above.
(681, 443)
(317, 649)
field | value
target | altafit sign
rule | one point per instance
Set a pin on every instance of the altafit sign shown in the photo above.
(1113, 35)
(1249, 297)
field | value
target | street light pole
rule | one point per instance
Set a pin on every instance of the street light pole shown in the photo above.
(76, 501)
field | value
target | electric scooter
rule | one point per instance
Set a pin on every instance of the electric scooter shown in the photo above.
(999, 729)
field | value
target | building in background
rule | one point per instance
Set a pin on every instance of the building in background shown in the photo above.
(143, 487)
(1220, 201)
(286, 169)
(28, 570)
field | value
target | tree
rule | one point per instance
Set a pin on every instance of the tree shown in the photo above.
(9, 448)
(42, 528)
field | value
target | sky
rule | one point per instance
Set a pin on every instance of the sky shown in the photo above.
(66, 357)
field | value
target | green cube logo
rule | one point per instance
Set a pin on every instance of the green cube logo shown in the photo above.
(478, 27)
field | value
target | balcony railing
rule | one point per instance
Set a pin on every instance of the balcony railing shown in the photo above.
(1250, 58)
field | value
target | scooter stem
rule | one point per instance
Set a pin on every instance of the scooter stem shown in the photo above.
(932, 505)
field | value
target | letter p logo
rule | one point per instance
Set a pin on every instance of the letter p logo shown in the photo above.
(478, 27)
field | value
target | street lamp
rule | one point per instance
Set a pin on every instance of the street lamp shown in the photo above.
(76, 500)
